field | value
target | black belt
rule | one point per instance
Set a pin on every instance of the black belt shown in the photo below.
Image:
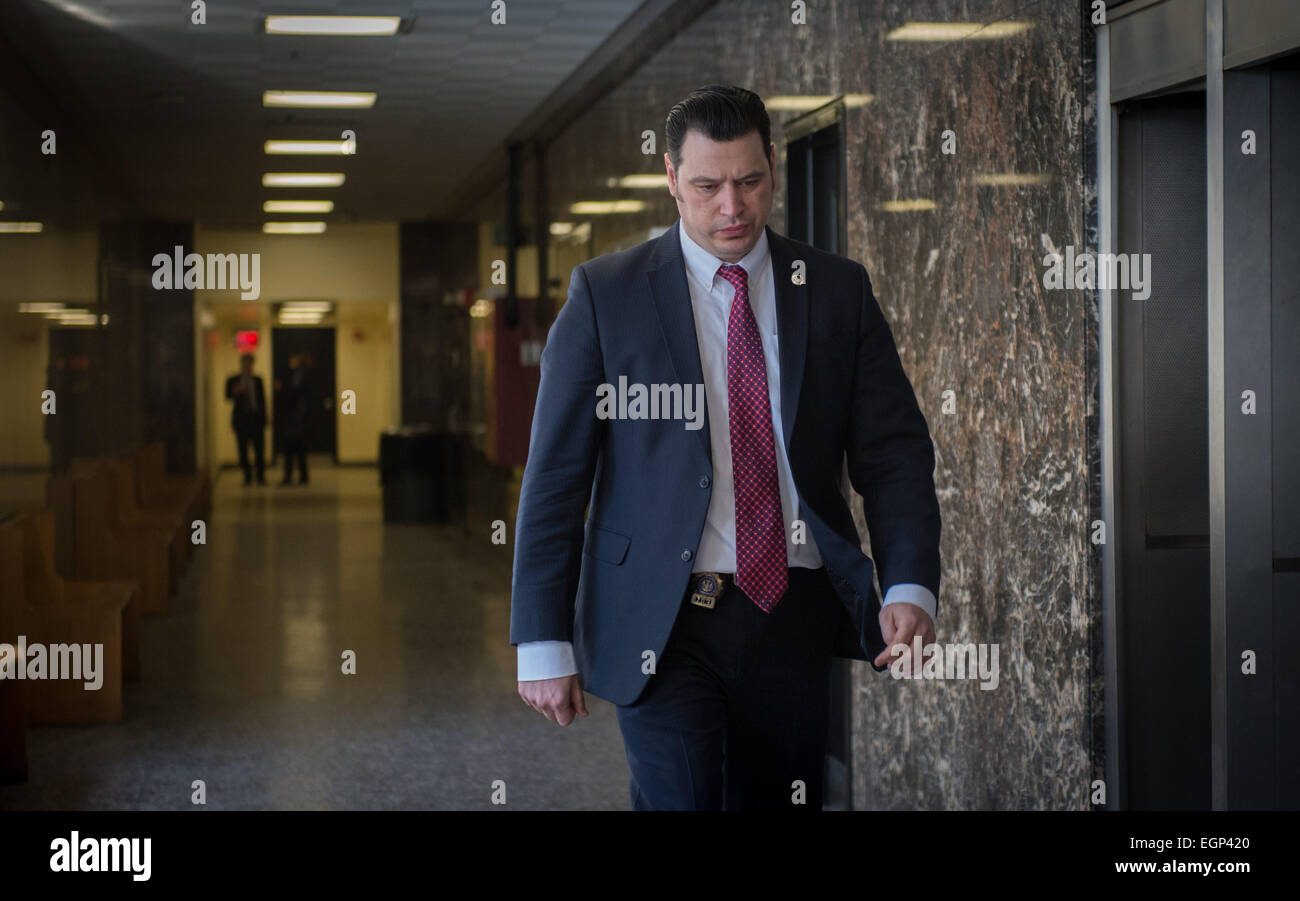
(705, 588)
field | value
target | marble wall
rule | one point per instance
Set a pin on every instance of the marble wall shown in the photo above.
(961, 283)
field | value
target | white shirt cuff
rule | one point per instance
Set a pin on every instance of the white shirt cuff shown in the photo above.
(912, 594)
(545, 660)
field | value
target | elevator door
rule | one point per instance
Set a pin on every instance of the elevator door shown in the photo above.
(1261, 727)
(1163, 603)
(1284, 326)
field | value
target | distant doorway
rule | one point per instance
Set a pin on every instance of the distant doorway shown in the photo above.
(315, 347)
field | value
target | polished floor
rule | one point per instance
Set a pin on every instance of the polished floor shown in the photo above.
(243, 685)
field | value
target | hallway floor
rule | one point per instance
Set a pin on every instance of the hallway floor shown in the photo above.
(242, 684)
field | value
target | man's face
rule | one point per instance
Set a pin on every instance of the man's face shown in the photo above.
(246, 366)
(724, 192)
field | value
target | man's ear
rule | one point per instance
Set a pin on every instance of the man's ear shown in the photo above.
(672, 175)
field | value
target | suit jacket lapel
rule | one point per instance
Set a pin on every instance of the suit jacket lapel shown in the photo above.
(672, 297)
(792, 327)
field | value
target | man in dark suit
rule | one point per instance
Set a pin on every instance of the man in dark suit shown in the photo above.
(296, 397)
(720, 570)
(248, 416)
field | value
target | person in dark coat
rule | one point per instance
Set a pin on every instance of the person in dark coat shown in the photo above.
(297, 404)
(248, 416)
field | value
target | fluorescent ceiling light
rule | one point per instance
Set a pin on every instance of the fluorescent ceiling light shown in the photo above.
(645, 180)
(298, 206)
(42, 307)
(314, 147)
(907, 206)
(302, 179)
(1002, 179)
(589, 207)
(20, 228)
(293, 228)
(306, 306)
(956, 31)
(805, 102)
(77, 317)
(81, 12)
(320, 99)
(349, 26)
(570, 232)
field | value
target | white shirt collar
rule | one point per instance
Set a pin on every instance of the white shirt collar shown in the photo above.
(703, 266)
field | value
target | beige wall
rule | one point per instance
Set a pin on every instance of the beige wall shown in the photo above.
(55, 265)
(363, 346)
(356, 267)
(24, 348)
(347, 263)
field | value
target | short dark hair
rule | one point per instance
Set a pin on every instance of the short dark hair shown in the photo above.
(722, 112)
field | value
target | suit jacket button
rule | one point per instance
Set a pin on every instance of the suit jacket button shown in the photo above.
(686, 553)
(704, 481)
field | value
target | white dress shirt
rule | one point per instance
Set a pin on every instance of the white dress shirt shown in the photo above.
(711, 297)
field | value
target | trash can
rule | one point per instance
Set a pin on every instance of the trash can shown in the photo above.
(422, 473)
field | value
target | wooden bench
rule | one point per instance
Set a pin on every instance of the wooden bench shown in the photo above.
(190, 495)
(169, 520)
(91, 544)
(50, 610)
(100, 544)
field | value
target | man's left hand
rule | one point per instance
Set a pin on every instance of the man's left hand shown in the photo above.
(900, 622)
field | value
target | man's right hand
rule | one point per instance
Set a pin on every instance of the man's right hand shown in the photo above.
(556, 699)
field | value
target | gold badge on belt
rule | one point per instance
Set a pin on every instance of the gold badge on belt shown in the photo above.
(708, 588)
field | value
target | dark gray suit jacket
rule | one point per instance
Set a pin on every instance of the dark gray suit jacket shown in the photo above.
(613, 587)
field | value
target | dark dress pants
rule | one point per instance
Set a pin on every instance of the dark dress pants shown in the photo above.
(736, 712)
(245, 437)
(295, 444)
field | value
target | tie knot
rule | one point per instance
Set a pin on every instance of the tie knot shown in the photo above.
(734, 274)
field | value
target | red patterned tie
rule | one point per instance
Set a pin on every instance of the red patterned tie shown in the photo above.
(760, 529)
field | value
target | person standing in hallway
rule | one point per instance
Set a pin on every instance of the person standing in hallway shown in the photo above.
(296, 398)
(719, 569)
(248, 416)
